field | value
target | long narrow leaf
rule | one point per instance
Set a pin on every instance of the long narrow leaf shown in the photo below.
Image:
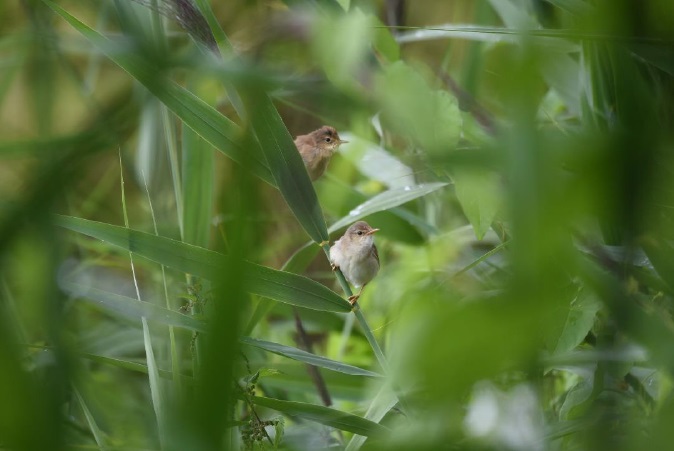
(306, 357)
(286, 164)
(278, 285)
(386, 200)
(93, 426)
(324, 415)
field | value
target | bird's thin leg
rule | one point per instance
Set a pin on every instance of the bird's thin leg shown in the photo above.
(354, 298)
(333, 266)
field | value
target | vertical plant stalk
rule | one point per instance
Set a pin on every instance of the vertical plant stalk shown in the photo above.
(360, 317)
(381, 358)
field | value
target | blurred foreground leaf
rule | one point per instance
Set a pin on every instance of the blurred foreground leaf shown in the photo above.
(205, 120)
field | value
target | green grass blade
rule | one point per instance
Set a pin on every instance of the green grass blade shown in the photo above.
(198, 179)
(131, 308)
(306, 357)
(286, 164)
(330, 417)
(206, 121)
(93, 426)
(278, 285)
(156, 392)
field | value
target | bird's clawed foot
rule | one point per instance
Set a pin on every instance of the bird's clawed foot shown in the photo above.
(352, 299)
(334, 267)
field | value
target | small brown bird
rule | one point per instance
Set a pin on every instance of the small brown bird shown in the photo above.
(356, 255)
(316, 149)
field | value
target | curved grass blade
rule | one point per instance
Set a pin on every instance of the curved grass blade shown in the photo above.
(93, 426)
(306, 357)
(386, 200)
(286, 164)
(205, 120)
(278, 285)
(132, 308)
(324, 415)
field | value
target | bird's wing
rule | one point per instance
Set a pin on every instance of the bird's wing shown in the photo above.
(304, 139)
(375, 252)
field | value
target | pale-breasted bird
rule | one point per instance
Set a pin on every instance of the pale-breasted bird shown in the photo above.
(355, 254)
(316, 149)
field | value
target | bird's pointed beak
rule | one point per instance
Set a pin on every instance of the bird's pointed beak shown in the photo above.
(343, 141)
(372, 231)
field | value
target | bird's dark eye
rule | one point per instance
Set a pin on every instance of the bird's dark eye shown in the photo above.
(327, 140)
(360, 232)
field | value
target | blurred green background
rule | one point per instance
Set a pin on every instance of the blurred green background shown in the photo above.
(162, 285)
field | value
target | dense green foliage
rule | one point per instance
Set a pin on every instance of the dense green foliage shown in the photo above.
(163, 273)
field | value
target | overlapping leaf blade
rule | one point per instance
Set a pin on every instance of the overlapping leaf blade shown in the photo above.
(386, 200)
(205, 120)
(286, 165)
(279, 285)
(324, 415)
(306, 357)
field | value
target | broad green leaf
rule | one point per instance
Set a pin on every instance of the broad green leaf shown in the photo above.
(384, 43)
(286, 164)
(397, 224)
(330, 417)
(206, 121)
(376, 162)
(577, 399)
(303, 356)
(579, 322)
(478, 193)
(430, 118)
(342, 58)
(386, 200)
(561, 71)
(278, 285)
(660, 252)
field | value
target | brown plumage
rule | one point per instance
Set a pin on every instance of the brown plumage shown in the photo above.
(316, 149)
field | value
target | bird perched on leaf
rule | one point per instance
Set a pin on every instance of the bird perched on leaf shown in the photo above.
(355, 254)
(316, 149)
